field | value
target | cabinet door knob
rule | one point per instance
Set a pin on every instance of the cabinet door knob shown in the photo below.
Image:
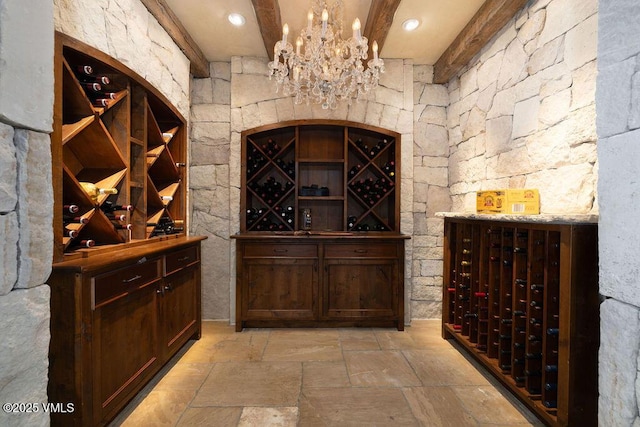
(168, 287)
(281, 251)
(361, 251)
(133, 279)
(185, 258)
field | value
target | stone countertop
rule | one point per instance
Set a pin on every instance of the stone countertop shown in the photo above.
(542, 218)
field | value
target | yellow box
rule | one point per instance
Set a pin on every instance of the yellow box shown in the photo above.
(521, 201)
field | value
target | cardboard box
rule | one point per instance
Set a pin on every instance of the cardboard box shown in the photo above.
(520, 201)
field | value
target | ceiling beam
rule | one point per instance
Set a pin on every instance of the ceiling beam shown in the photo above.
(379, 21)
(490, 18)
(172, 25)
(270, 23)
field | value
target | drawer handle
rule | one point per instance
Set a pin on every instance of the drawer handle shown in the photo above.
(281, 251)
(133, 279)
(361, 251)
(185, 258)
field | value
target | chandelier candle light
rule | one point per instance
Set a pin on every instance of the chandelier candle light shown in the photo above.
(325, 68)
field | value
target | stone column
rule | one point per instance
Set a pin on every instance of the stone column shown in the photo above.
(618, 107)
(26, 206)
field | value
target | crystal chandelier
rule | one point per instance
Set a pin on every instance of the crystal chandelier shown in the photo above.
(325, 68)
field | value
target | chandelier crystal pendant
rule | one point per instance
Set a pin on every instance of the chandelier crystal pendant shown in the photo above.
(325, 68)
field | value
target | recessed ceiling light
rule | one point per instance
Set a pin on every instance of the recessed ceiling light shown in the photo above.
(237, 19)
(410, 24)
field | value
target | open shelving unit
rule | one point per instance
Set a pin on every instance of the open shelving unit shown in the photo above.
(327, 167)
(115, 131)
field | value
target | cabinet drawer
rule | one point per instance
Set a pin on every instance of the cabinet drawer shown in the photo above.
(114, 284)
(281, 250)
(180, 259)
(360, 251)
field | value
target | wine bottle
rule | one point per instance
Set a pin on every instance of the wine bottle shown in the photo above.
(71, 209)
(84, 70)
(354, 170)
(551, 368)
(76, 219)
(87, 243)
(115, 217)
(181, 164)
(91, 88)
(123, 226)
(108, 207)
(72, 234)
(553, 331)
(94, 191)
(551, 386)
(100, 102)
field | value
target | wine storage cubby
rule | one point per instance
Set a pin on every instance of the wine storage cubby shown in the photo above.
(340, 175)
(522, 298)
(119, 155)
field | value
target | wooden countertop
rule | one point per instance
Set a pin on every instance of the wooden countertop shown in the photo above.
(320, 235)
(123, 254)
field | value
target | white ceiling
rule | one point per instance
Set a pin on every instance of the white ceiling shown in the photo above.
(440, 22)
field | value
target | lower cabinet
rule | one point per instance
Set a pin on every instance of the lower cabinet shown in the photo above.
(116, 319)
(320, 281)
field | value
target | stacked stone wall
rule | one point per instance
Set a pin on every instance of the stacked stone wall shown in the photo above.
(618, 107)
(522, 113)
(125, 30)
(430, 191)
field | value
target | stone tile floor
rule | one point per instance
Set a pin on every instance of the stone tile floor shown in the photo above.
(323, 377)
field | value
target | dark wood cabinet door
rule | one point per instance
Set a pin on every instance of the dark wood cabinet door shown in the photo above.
(360, 288)
(283, 288)
(178, 309)
(126, 325)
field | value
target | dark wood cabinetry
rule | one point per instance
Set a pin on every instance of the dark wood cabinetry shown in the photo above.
(125, 285)
(116, 319)
(320, 240)
(320, 280)
(522, 298)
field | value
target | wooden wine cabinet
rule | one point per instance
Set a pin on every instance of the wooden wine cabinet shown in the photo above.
(522, 298)
(121, 309)
(321, 153)
(135, 143)
(347, 266)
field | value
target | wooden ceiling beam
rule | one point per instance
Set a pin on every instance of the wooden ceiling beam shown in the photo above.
(379, 21)
(490, 18)
(270, 23)
(172, 25)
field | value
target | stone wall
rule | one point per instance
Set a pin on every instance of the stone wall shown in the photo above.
(254, 102)
(430, 191)
(26, 204)
(618, 124)
(522, 112)
(209, 185)
(125, 30)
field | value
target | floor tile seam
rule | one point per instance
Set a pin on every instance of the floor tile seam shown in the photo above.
(460, 402)
(413, 369)
(468, 411)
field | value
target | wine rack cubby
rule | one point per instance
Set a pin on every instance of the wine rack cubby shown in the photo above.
(343, 173)
(522, 298)
(119, 156)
